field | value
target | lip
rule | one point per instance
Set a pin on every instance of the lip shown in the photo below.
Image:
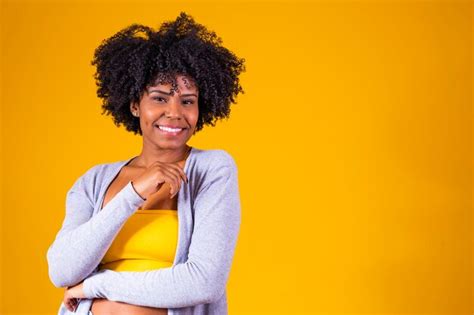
(170, 126)
(172, 134)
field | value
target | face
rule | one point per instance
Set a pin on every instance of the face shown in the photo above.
(159, 111)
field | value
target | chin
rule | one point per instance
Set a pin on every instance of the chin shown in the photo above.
(170, 145)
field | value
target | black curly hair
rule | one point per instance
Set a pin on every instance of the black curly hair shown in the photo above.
(138, 57)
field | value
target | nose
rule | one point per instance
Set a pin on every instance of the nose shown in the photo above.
(173, 110)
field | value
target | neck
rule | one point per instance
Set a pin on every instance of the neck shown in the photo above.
(150, 155)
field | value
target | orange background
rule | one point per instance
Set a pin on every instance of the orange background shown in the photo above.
(353, 142)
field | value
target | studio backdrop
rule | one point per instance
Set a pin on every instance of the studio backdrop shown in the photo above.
(353, 142)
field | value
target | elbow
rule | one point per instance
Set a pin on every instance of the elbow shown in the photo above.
(63, 276)
(60, 280)
(213, 291)
(215, 295)
(56, 281)
(54, 277)
(57, 278)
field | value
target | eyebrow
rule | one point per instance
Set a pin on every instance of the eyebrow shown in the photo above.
(163, 92)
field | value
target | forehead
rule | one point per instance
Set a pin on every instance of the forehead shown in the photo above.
(183, 84)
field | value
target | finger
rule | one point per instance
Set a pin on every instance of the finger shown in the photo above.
(173, 179)
(70, 305)
(163, 177)
(177, 171)
(170, 178)
(66, 303)
(181, 172)
(177, 191)
(76, 305)
(174, 190)
(177, 185)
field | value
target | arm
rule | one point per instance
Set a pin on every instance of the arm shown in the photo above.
(83, 239)
(203, 277)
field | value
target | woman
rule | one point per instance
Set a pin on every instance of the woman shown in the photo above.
(155, 234)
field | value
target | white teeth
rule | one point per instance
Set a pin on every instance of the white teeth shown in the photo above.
(169, 129)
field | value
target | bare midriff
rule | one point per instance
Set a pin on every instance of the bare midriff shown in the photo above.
(107, 307)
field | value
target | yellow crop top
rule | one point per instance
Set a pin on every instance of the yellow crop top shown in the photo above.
(147, 241)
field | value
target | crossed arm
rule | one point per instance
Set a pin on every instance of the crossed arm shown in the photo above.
(84, 239)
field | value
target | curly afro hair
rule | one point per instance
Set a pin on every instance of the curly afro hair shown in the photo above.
(138, 57)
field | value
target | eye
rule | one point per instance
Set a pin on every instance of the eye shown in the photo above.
(159, 98)
(188, 102)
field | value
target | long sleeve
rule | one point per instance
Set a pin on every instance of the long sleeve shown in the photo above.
(84, 238)
(203, 277)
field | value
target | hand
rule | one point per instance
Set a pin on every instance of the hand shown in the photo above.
(156, 175)
(72, 296)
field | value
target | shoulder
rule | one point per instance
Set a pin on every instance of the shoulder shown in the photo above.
(214, 173)
(215, 158)
(98, 170)
(211, 166)
(94, 175)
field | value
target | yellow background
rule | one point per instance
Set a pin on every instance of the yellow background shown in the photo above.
(353, 141)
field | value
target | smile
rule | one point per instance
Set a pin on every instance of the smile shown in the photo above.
(170, 131)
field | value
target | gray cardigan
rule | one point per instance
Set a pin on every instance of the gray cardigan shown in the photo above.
(209, 221)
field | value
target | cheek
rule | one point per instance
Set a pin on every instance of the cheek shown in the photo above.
(194, 115)
(146, 117)
(146, 123)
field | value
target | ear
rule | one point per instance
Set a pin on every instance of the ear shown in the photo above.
(133, 107)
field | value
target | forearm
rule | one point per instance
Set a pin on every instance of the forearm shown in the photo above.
(202, 278)
(148, 288)
(75, 253)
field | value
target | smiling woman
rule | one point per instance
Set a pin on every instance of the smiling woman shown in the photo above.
(168, 118)
(156, 233)
(138, 60)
